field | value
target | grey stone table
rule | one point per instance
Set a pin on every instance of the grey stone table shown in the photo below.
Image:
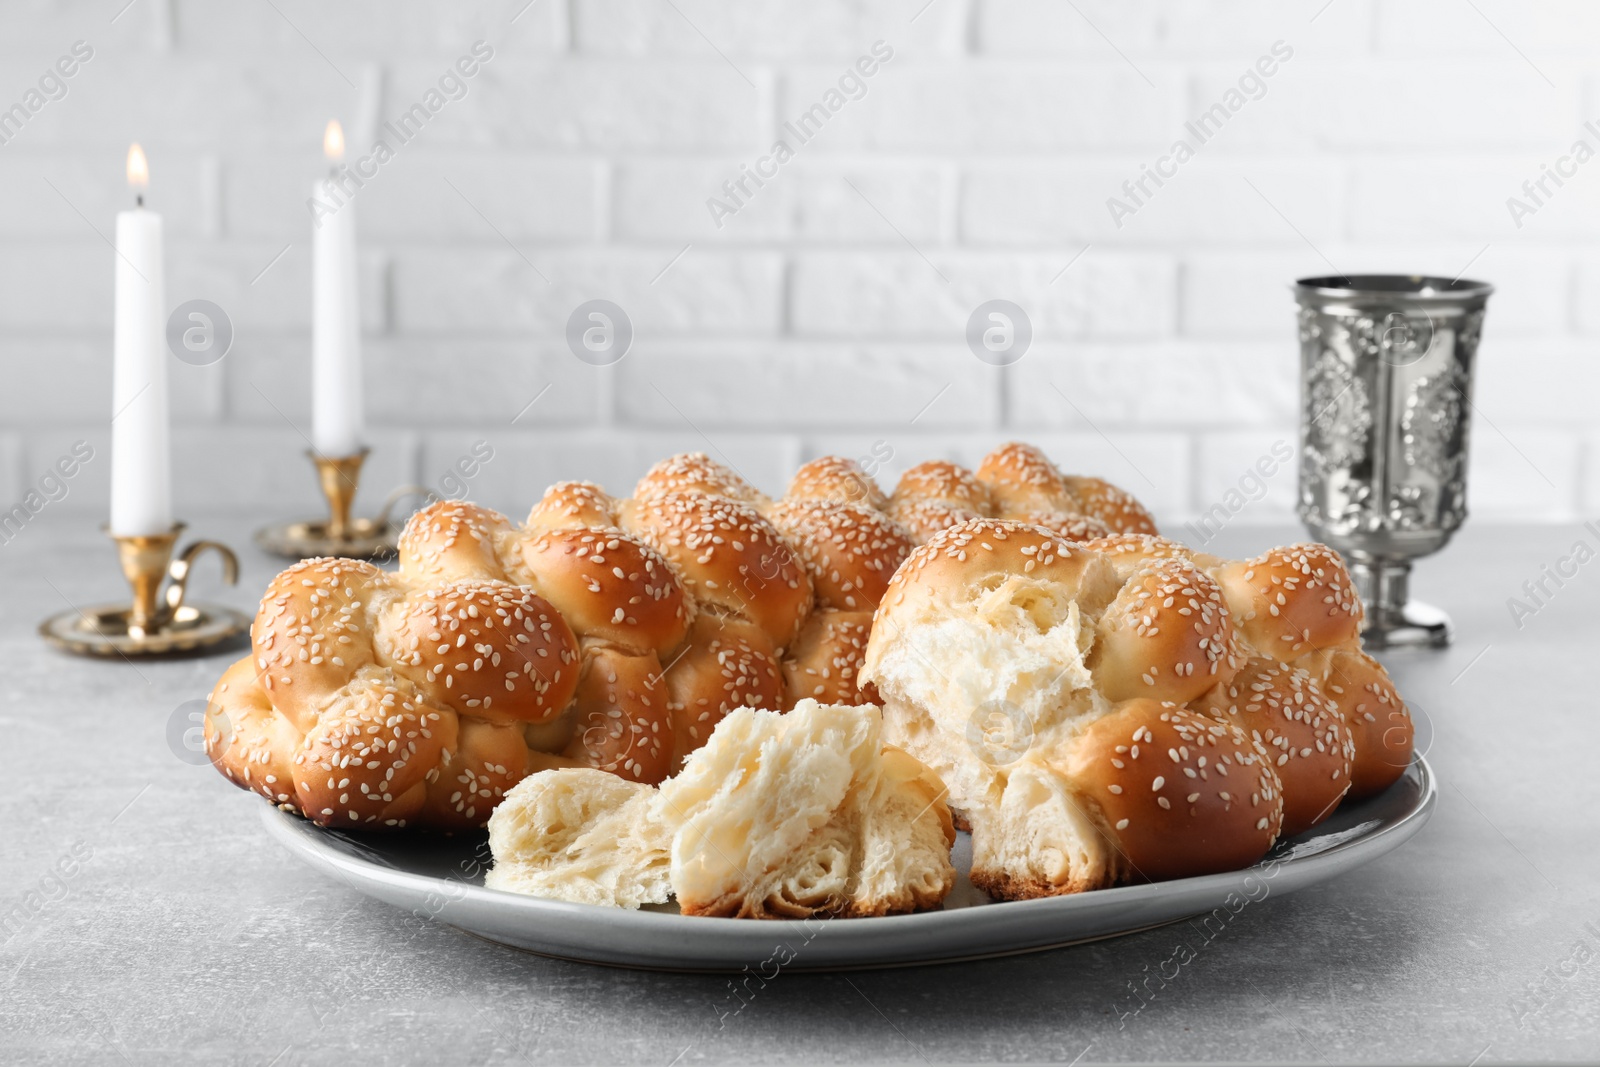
(148, 919)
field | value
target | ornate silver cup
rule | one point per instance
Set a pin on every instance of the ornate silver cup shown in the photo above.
(1386, 402)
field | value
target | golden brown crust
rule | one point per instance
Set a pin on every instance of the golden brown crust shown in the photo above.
(1166, 636)
(836, 480)
(1115, 507)
(311, 633)
(1021, 479)
(474, 774)
(1179, 793)
(1291, 601)
(940, 481)
(609, 585)
(488, 649)
(622, 722)
(1000, 883)
(825, 663)
(247, 740)
(1300, 731)
(1025, 483)
(921, 519)
(569, 504)
(1380, 723)
(965, 555)
(367, 760)
(1128, 550)
(1080, 528)
(849, 551)
(728, 556)
(451, 539)
(728, 663)
(696, 472)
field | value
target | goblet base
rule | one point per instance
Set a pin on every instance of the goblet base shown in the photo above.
(1412, 625)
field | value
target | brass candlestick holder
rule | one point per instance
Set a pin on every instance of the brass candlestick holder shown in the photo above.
(155, 623)
(339, 534)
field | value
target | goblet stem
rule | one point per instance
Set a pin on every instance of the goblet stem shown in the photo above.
(1394, 620)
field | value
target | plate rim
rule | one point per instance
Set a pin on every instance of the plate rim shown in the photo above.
(303, 839)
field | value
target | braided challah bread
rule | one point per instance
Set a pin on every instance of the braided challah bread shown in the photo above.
(1126, 708)
(1102, 703)
(603, 632)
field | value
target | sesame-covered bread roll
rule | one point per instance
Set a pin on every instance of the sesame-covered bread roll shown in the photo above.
(696, 472)
(1019, 482)
(1302, 733)
(836, 480)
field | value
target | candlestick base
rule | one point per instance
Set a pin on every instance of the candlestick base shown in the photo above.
(108, 630)
(363, 539)
(338, 535)
(157, 622)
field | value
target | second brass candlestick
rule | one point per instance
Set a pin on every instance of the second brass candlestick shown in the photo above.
(339, 478)
(339, 535)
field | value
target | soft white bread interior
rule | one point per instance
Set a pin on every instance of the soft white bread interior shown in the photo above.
(1039, 840)
(582, 835)
(787, 816)
(992, 664)
(777, 816)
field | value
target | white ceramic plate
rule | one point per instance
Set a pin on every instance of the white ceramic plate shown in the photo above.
(442, 878)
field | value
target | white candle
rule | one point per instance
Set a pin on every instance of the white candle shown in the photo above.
(336, 420)
(141, 449)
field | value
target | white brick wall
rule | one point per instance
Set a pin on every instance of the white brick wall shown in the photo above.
(827, 313)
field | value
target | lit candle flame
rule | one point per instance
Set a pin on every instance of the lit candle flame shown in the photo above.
(333, 141)
(138, 169)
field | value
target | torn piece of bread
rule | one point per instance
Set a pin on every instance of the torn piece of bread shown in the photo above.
(778, 816)
(582, 835)
(1045, 683)
(788, 816)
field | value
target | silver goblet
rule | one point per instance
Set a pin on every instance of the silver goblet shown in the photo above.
(1386, 403)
